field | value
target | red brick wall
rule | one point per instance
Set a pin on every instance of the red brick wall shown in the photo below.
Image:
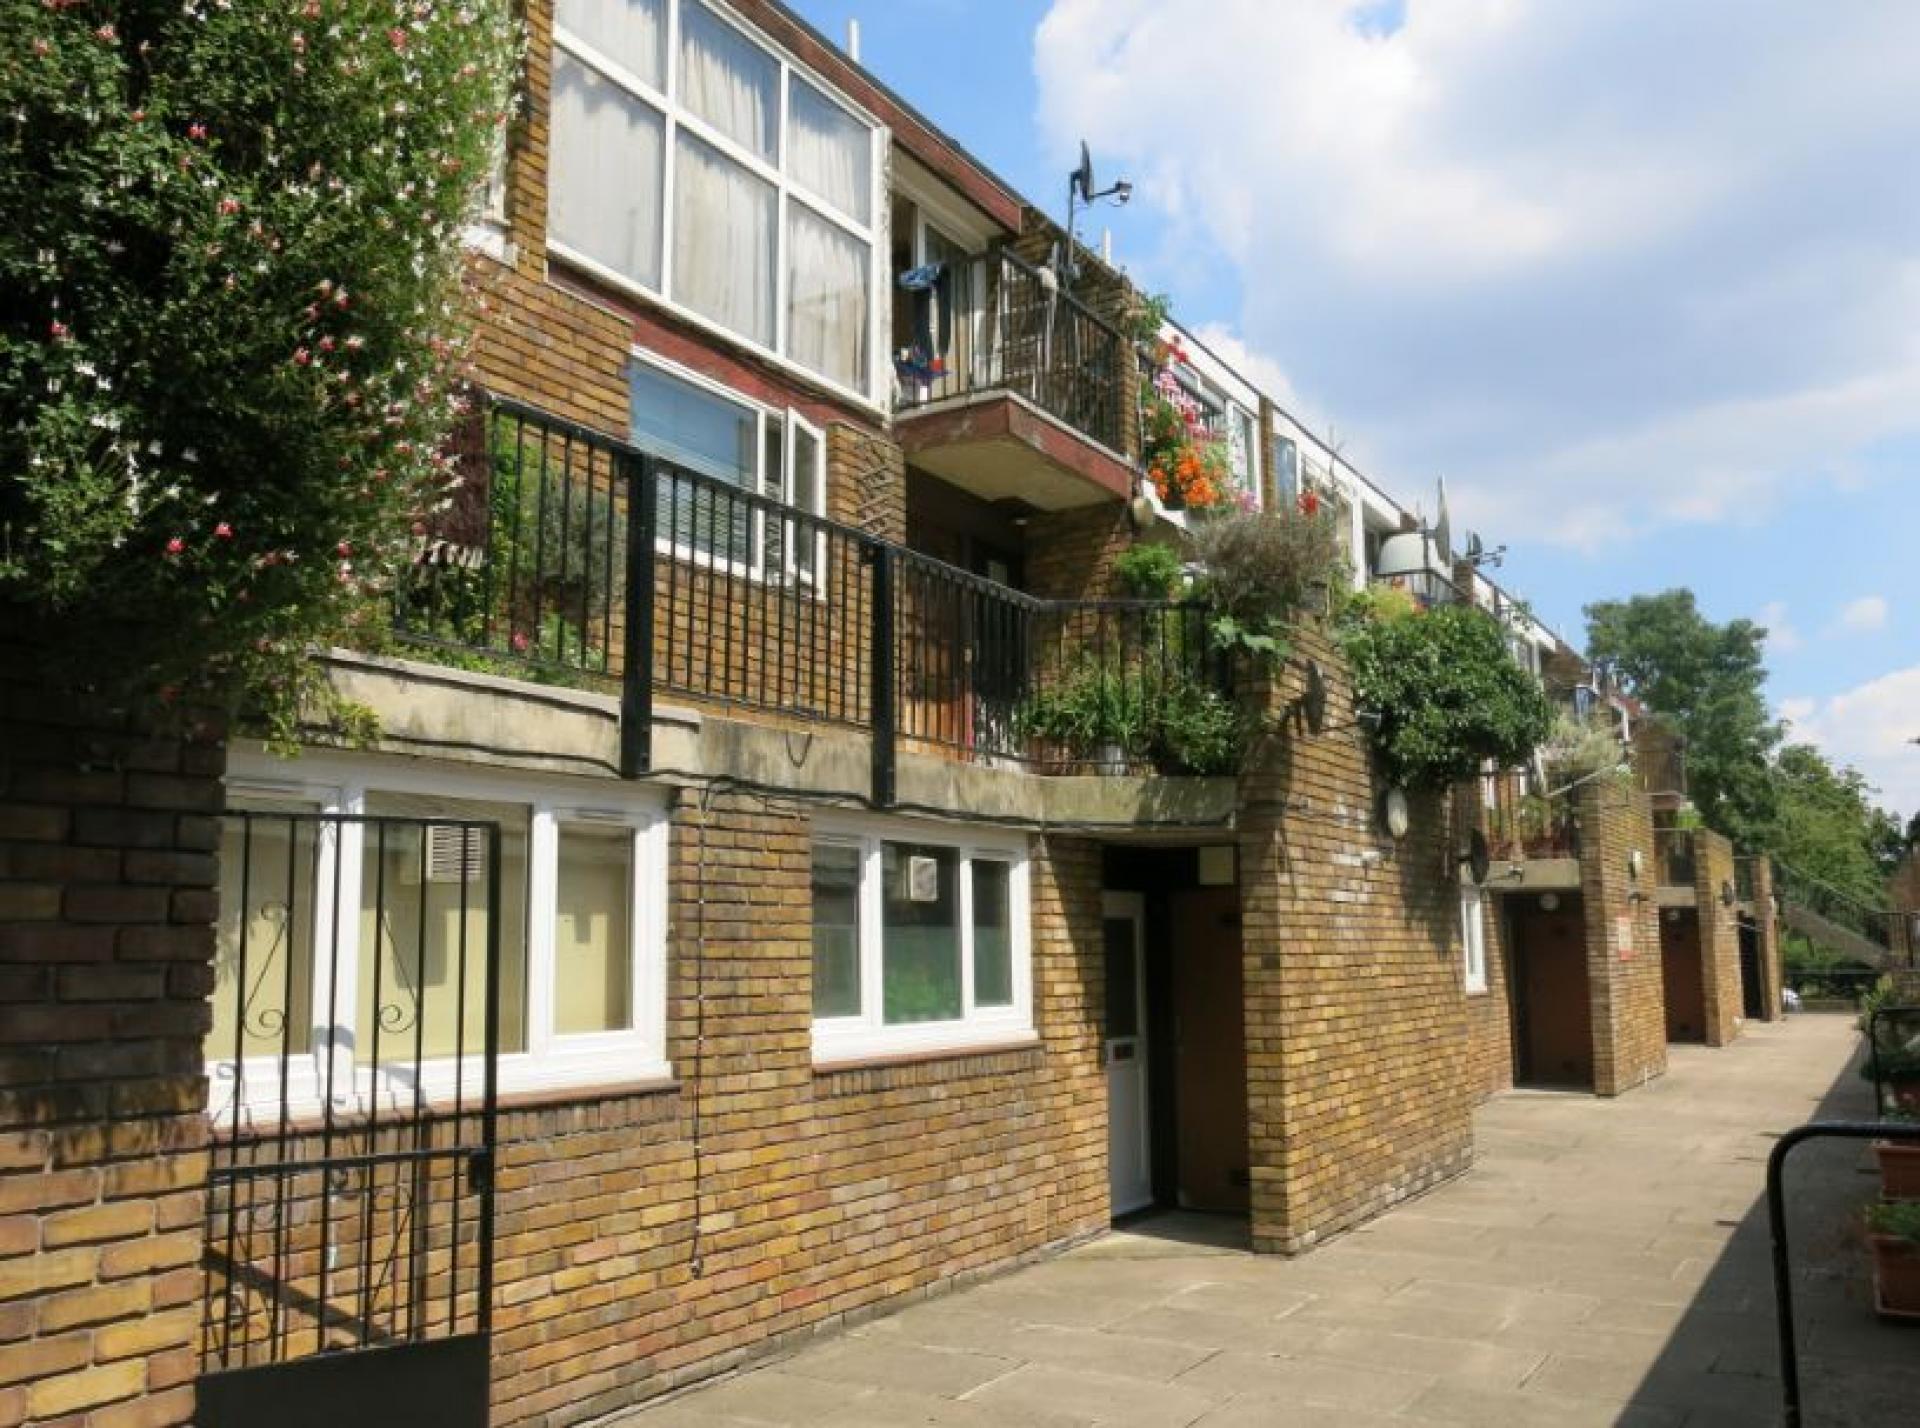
(646, 1239)
(106, 945)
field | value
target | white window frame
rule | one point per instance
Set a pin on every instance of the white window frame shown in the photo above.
(1473, 939)
(341, 785)
(792, 422)
(788, 190)
(866, 1036)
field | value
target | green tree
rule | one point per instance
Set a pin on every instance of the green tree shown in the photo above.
(1709, 679)
(230, 318)
(1827, 825)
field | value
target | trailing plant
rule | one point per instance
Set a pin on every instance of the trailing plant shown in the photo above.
(1187, 463)
(1446, 694)
(232, 319)
(1687, 819)
(1150, 571)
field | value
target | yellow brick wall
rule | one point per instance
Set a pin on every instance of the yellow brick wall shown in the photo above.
(1359, 1076)
(1625, 987)
(1719, 937)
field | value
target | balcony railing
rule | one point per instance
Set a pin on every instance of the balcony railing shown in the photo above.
(1674, 856)
(1525, 823)
(1661, 769)
(573, 557)
(993, 323)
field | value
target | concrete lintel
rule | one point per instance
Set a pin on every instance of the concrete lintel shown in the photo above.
(1670, 896)
(1535, 875)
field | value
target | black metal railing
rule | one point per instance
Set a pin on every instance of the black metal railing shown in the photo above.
(1660, 768)
(1525, 821)
(1877, 925)
(353, 1096)
(570, 555)
(1746, 881)
(994, 323)
(1674, 856)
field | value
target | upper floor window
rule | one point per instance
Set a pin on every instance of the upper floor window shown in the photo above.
(1283, 459)
(709, 431)
(694, 162)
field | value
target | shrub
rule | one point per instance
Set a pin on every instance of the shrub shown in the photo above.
(232, 318)
(1149, 571)
(1581, 748)
(1446, 695)
(1200, 731)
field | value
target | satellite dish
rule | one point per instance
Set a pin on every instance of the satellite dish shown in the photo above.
(1314, 701)
(1479, 859)
(1475, 546)
(1083, 176)
(1396, 813)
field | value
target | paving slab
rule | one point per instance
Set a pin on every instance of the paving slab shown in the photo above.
(1604, 1263)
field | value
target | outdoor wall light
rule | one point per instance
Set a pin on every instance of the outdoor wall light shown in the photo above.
(1636, 860)
(1549, 902)
(1396, 814)
(1673, 915)
(1727, 896)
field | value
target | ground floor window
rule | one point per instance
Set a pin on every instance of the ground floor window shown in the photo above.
(357, 943)
(1473, 938)
(920, 939)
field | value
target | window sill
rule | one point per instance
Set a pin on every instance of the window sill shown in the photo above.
(851, 1058)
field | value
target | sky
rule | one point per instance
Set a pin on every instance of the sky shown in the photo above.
(1640, 281)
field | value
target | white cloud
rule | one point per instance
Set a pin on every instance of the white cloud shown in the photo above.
(1605, 264)
(1871, 728)
(1869, 612)
(1782, 637)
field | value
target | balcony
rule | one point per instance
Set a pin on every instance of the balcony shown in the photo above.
(570, 558)
(1012, 389)
(1526, 825)
(1674, 857)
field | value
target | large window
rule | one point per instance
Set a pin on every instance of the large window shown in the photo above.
(920, 941)
(712, 433)
(694, 162)
(360, 944)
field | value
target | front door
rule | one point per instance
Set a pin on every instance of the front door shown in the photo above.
(1124, 1049)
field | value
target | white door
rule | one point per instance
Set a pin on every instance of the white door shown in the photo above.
(1124, 1048)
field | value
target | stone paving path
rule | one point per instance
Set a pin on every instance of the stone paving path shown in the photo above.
(1604, 1263)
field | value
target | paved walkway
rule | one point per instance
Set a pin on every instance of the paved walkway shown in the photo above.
(1604, 1263)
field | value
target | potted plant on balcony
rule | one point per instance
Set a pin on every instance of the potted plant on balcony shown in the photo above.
(1899, 1161)
(1093, 714)
(1893, 1231)
(1898, 1072)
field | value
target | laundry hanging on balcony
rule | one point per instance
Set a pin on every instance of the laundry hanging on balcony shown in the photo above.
(931, 288)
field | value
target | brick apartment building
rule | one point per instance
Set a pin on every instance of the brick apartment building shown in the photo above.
(818, 983)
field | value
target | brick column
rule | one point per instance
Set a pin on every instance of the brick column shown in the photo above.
(1359, 1085)
(1719, 937)
(107, 904)
(1767, 926)
(1623, 937)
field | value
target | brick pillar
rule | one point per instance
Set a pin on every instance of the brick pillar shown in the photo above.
(1624, 982)
(1767, 927)
(1719, 937)
(107, 905)
(1359, 1085)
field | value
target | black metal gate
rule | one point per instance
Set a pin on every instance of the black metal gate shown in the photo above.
(352, 1062)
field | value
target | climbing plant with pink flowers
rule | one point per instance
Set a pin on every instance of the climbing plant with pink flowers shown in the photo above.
(232, 318)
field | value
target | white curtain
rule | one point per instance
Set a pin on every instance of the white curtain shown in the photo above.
(723, 231)
(829, 151)
(631, 33)
(604, 191)
(826, 298)
(729, 81)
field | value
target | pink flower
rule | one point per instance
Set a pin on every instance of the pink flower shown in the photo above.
(301, 357)
(59, 331)
(196, 132)
(223, 531)
(519, 642)
(397, 37)
(229, 205)
(344, 549)
(105, 34)
(175, 546)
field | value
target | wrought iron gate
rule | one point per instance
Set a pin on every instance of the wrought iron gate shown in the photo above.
(352, 1061)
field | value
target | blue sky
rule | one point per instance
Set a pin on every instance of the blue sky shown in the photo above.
(1642, 281)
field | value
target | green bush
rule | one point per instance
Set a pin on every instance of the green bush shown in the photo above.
(1149, 571)
(1898, 1218)
(1447, 695)
(233, 319)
